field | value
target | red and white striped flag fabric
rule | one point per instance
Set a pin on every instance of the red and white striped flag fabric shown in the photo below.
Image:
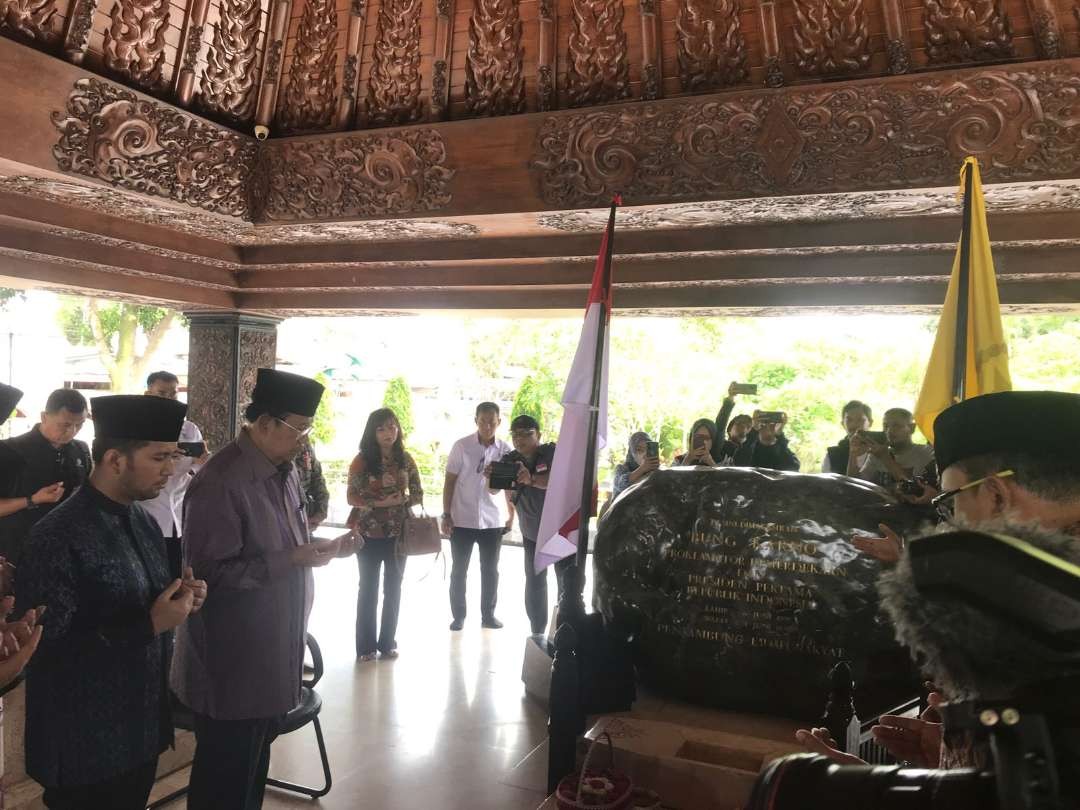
(561, 518)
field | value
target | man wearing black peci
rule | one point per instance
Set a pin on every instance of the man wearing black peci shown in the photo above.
(98, 712)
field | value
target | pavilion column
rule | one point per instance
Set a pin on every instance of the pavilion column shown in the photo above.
(225, 349)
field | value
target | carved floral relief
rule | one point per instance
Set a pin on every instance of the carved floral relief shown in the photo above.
(712, 52)
(394, 86)
(308, 100)
(599, 70)
(494, 81)
(28, 19)
(831, 37)
(966, 30)
(229, 81)
(135, 41)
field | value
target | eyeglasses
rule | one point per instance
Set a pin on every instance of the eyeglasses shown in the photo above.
(301, 433)
(943, 503)
(522, 434)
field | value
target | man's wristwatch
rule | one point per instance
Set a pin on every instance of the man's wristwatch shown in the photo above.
(30, 502)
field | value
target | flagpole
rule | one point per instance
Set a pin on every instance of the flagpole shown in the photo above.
(962, 304)
(588, 481)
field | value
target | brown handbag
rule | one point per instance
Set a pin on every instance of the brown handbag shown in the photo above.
(420, 535)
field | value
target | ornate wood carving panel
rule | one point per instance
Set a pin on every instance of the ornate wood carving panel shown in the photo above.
(77, 29)
(367, 175)
(230, 77)
(712, 52)
(831, 37)
(494, 81)
(28, 19)
(394, 87)
(110, 134)
(599, 69)
(308, 102)
(212, 381)
(967, 30)
(906, 132)
(135, 41)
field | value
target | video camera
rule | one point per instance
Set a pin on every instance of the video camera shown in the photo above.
(503, 475)
(1033, 737)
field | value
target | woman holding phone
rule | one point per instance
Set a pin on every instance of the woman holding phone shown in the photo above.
(639, 462)
(701, 439)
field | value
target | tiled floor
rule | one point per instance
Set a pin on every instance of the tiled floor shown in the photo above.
(440, 728)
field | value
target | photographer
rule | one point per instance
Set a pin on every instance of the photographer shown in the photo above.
(533, 461)
(735, 429)
(855, 416)
(637, 465)
(701, 439)
(766, 445)
(897, 462)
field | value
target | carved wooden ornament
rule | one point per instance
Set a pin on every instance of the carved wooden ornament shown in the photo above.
(135, 41)
(308, 102)
(903, 132)
(494, 81)
(111, 134)
(599, 68)
(229, 81)
(368, 175)
(967, 30)
(831, 37)
(394, 87)
(711, 49)
(28, 19)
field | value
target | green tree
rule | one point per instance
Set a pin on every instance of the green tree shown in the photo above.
(539, 396)
(398, 398)
(113, 328)
(7, 295)
(323, 429)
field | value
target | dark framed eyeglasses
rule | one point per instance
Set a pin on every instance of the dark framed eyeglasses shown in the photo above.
(944, 503)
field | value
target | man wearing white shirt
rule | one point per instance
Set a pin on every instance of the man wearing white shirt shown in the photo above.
(472, 514)
(167, 508)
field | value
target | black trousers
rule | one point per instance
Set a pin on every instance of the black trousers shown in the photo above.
(536, 587)
(461, 546)
(378, 554)
(232, 758)
(128, 791)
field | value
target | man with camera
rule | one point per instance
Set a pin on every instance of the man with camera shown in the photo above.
(898, 461)
(471, 515)
(167, 508)
(734, 430)
(766, 445)
(856, 416)
(994, 474)
(530, 465)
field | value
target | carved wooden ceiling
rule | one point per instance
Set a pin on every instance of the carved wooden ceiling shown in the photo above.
(458, 153)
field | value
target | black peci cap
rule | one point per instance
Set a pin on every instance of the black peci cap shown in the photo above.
(9, 398)
(138, 418)
(283, 392)
(1042, 424)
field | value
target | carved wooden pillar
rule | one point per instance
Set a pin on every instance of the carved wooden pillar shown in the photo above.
(651, 76)
(440, 69)
(80, 21)
(225, 350)
(354, 52)
(271, 73)
(896, 41)
(545, 62)
(190, 44)
(770, 44)
(1045, 26)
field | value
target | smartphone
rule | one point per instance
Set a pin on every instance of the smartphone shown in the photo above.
(771, 417)
(192, 449)
(699, 441)
(744, 388)
(652, 449)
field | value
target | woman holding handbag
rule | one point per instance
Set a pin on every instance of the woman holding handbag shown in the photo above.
(383, 484)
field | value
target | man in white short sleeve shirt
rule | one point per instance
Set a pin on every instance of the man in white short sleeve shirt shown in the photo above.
(473, 515)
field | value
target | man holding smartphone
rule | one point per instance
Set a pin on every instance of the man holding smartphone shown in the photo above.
(167, 508)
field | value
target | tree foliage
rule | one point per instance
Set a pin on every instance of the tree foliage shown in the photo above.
(323, 428)
(114, 328)
(539, 396)
(398, 398)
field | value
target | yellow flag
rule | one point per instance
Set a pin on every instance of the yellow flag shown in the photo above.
(970, 326)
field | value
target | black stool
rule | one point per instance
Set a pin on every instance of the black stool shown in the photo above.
(307, 711)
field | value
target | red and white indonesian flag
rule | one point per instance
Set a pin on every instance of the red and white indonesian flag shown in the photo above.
(561, 518)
